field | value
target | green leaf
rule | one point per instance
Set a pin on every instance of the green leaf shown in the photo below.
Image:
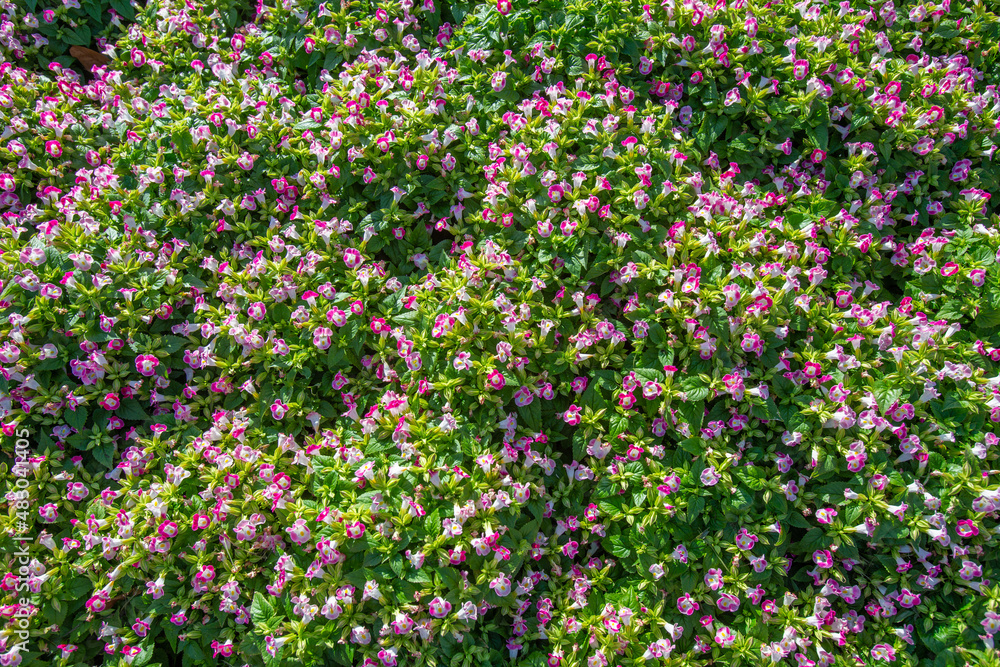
(50, 364)
(77, 588)
(105, 454)
(752, 476)
(532, 414)
(173, 343)
(693, 413)
(987, 319)
(740, 499)
(145, 655)
(261, 610)
(76, 418)
(814, 539)
(451, 579)
(694, 446)
(886, 395)
(332, 60)
(619, 546)
(94, 9)
(123, 7)
(432, 524)
(78, 37)
(695, 508)
(768, 411)
(131, 409)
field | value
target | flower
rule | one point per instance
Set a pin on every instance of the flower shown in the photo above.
(146, 364)
(825, 515)
(279, 409)
(724, 636)
(256, 311)
(883, 653)
(966, 528)
(439, 607)
(299, 532)
(906, 599)
(745, 541)
(572, 415)
(822, 558)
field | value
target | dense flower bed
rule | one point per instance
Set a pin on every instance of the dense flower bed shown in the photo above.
(590, 333)
(34, 33)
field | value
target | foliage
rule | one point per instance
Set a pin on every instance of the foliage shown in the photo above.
(35, 33)
(568, 333)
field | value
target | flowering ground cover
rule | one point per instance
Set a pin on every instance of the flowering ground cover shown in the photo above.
(543, 333)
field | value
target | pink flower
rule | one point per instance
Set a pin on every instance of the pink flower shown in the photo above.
(205, 574)
(812, 370)
(498, 81)
(728, 602)
(709, 476)
(991, 622)
(501, 585)
(167, 530)
(752, 343)
(439, 607)
(967, 528)
(686, 605)
(523, 396)
(352, 258)
(495, 380)
(745, 540)
(907, 600)
(323, 337)
(110, 401)
(299, 532)
(97, 604)
(572, 415)
(245, 161)
(146, 364)
(49, 512)
(884, 652)
(825, 515)
(725, 636)
(256, 311)
(53, 148)
(355, 530)
(823, 558)
(949, 269)
(278, 409)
